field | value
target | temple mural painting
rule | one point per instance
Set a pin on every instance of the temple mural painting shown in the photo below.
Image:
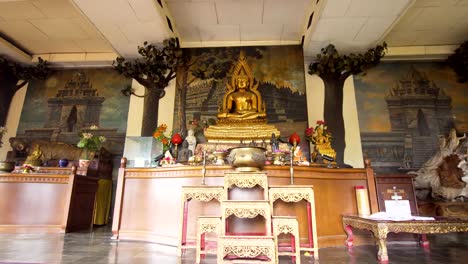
(404, 109)
(278, 70)
(58, 107)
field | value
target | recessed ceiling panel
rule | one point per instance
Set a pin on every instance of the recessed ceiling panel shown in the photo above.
(292, 12)
(20, 10)
(56, 8)
(291, 33)
(261, 32)
(193, 13)
(220, 33)
(232, 12)
(374, 29)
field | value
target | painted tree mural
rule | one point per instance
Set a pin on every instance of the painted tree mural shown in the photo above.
(334, 69)
(11, 73)
(154, 70)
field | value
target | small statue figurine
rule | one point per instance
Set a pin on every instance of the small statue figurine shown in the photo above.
(274, 143)
(191, 140)
(34, 159)
(184, 153)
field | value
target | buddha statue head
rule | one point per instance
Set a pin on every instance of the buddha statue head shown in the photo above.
(242, 100)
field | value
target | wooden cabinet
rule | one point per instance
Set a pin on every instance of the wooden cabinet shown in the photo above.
(46, 202)
(401, 184)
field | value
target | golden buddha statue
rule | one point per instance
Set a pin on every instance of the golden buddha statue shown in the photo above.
(242, 103)
(34, 159)
(242, 114)
(323, 144)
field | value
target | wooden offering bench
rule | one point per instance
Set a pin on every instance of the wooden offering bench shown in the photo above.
(50, 202)
(148, 200)
(380, 229)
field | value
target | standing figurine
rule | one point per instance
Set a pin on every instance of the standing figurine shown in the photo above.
(274, 143)
(191, 140)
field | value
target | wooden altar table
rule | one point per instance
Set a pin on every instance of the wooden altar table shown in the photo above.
(46, 202)
(380, 229)
(148, 201)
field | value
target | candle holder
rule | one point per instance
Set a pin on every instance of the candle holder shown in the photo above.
(204, 168)
(176, 140)
(294, 140)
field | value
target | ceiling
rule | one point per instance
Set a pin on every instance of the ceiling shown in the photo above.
(94, 32)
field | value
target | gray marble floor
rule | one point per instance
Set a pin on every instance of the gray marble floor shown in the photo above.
(97, 248)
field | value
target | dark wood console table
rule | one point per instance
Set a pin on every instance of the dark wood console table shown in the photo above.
(380, 229)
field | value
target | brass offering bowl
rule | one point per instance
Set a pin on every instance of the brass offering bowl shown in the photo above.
(247, 158)
(220, 156)
(7, 166)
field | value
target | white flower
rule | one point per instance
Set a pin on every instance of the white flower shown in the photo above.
(102, 139)
(93, 127)
(87, 135)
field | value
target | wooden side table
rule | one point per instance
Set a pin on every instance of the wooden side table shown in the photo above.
(202, 193)
(246, 180)
(296, 193)
(287, 225)
(206, 224)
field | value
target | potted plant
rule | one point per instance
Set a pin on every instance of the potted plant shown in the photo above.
(5, 166)
(90, 143)
(334, 68)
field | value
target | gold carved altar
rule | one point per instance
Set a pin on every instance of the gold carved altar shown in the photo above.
(242, 114)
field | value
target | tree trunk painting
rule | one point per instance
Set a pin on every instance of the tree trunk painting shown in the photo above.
(7, 91)
(151, 111)
(182, 87)
(333, 115)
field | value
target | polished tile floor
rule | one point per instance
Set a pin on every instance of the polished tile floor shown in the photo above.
(97, 248)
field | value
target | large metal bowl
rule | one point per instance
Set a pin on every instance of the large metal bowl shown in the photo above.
(7, 166)
(247, 158)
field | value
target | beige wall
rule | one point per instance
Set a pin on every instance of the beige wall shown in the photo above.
(12, 121)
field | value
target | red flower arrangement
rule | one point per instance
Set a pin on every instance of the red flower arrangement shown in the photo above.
(319, 134)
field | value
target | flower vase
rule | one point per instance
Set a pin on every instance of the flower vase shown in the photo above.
(63, 163)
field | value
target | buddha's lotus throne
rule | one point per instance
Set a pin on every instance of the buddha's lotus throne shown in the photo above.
(242, 114)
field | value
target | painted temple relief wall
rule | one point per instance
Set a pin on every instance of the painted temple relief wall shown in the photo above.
(57, 108)
(404, 109)
(279, 71)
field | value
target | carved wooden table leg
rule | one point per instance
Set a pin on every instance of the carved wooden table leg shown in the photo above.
(424, 241)
(380, 234)
(309, 226)
(349, 240)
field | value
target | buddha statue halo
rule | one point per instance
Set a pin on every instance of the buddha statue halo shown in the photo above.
(242, 114)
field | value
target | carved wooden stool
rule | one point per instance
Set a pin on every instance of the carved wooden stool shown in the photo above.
(287, 225)
(203, 193)
(246, 180)
(246, 209)
(206, 224)
(249, 248)
(296, 193)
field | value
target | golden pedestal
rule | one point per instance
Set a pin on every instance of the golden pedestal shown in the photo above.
(236, 132)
